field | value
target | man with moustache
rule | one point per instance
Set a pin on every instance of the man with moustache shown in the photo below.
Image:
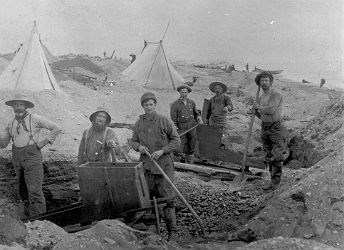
(219, 105)
(24, 131)
(185, 115)
(156, 134)
(98, 143)
(269, 110)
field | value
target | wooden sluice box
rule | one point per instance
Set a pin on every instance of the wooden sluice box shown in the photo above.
(109, 189)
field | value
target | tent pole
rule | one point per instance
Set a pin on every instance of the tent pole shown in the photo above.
(168, 24)
(152, 67)
(168, 68)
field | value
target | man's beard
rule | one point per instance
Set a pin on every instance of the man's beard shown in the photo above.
(98, 127)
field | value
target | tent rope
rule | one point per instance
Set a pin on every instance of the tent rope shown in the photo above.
(168, 68)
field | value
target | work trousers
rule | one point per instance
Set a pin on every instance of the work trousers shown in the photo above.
(28, 165)
(274, 144)
(160, 188)
(188, 142)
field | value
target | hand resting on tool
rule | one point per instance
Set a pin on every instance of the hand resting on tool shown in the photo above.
(156, 155)
(143, 149)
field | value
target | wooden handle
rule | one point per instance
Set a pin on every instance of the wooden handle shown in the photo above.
(247, 143)
(178, 193)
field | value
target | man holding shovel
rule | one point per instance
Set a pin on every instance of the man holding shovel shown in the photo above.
(156, 138)
(185, 116)
(269, 110)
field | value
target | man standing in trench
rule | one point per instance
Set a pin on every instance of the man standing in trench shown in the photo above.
(98, 143)
(269, 110)
(24, 130)
(156, 134)
(219, 105)
(185, 115)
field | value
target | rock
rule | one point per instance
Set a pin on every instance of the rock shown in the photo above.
(13, 246)
(318, 228)
(11, 229)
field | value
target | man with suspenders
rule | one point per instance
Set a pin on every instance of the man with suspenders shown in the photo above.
(98, 143)
(24, 130)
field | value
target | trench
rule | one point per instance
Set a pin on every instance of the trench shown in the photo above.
(221, 210)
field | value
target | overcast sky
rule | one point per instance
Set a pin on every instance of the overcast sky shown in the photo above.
(266, 31)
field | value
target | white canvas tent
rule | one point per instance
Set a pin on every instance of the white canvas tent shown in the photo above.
(152, 69)
(29, 69)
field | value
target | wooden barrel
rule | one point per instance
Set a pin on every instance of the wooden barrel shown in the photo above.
(108, 189)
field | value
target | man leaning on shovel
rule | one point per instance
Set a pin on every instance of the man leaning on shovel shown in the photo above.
(269, 110)
(185, 116)
(155, 135)
(24, 130)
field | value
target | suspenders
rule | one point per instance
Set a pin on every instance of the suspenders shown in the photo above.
(103, 141)
(30, 132)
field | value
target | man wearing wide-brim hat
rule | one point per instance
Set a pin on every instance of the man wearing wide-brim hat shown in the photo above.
(99, 142)
(185, 115)
(27, 142)
(219, 105)
(269, 110)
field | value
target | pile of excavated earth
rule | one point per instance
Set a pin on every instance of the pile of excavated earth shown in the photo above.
(305, 212)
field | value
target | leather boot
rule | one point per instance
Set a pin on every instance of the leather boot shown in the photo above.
(171, 223)
(191, 159)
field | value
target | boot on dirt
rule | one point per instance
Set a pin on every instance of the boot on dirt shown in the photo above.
(190, 159)
(270, 187)
(171, 223)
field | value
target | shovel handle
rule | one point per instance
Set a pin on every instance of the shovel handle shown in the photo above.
(248, 138)
(181, 134)
(178, 193)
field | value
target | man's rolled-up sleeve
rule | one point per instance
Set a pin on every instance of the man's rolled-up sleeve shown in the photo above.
(53, 127)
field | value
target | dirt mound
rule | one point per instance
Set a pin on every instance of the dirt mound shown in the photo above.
(78, 61)
(3, 64)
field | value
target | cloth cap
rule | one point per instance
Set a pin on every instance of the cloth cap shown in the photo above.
(147, 96)
(213, 84)
(263, 74)
(184, 87)
(20, 97)
(101, 109)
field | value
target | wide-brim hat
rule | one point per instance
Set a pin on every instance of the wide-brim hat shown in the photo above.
(101, 109)
(213, 84)
(263, 74)
(21, 98)
(179, 88)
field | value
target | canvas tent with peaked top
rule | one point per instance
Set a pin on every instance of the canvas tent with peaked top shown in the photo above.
(29, 69)
(152, 69)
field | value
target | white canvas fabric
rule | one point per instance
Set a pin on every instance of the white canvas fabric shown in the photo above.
(152, 69)
(29, 69)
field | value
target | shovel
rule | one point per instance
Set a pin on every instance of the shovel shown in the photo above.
(241, 179)
(178, 193)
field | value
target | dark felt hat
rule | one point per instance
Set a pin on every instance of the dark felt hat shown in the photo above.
(213, 84)
(184, 87)
(263, 74)
(147, 96)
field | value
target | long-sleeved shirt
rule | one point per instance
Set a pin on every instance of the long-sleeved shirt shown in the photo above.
(215, 109)
(22, 138)
(182, 114)
(271, 106)
(96, 147)
(156, 132)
